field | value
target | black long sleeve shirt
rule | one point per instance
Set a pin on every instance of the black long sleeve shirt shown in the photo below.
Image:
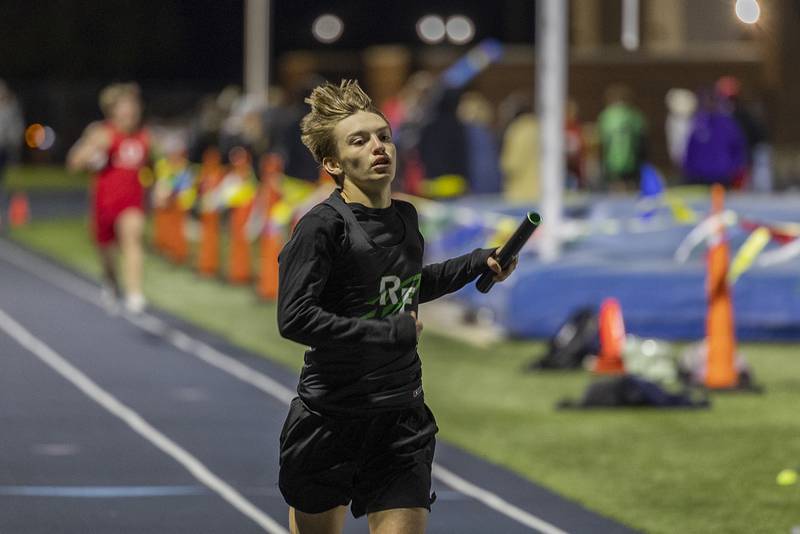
(349, 278)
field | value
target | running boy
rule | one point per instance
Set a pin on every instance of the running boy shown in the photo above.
(351, 278)
(116, 150)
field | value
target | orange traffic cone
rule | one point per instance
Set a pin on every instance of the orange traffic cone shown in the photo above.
(211, 174)
(179, 250)
(612, 338)
(19, 212)
(208, 254)
(239, 269)
(720, 334)
(271, 243)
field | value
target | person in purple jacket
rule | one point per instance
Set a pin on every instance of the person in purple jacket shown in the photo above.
(717, 149)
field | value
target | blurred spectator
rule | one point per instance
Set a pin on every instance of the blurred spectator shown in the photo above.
(283, 132)
(253, 133)
(750, 120)
(443, 140)
(483, 160)
(681, 106)
(519, 157)
(11, 131)
(273, 117)
(623, 131)
(575, 148)
(407, 114)
(407, 104)
(717, 148)
(227, 102)
(204, 131)
(243, 126)
(511, 107)
(592, 166)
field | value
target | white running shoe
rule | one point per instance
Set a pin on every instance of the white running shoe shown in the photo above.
(135, 303)
(109, 300)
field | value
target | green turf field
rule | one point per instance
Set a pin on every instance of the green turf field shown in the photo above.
(43, 178)
(706, 471)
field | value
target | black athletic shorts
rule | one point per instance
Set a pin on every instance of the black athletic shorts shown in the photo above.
(379, 463)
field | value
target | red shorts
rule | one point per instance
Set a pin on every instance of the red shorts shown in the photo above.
(108, 203)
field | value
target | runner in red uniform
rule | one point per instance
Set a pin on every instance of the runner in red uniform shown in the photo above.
(116, 149)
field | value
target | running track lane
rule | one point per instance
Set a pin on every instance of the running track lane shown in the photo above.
(227, 425)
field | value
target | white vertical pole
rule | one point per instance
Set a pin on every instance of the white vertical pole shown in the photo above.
(551, 90)
(256, 48)
(630, 24)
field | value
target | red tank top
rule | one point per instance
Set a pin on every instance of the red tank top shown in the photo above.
(118, 182)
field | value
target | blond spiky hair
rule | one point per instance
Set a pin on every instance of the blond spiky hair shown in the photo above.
(110, 95)
(329, 105)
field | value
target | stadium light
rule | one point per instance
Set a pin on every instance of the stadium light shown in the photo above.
(460, 29)
(49, 139)
(39, 136)
(748, 11)
(327, 28)
(431, 29)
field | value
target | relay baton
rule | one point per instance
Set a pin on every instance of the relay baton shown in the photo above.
(510, 249)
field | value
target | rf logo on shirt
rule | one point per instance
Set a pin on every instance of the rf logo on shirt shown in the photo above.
(394, 295)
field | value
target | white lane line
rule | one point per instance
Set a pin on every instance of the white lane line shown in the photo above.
(102, 492)
(88, 292)
(493, 501)
(149, 323)
(137, 423)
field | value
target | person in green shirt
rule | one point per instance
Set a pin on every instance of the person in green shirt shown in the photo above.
(623, 130)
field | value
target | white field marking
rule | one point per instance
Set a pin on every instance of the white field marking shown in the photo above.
(493, 501)
(137, 423)
(88, 292)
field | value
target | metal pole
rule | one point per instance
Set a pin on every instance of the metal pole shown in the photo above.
(551, 90)
(256, 48)
(630, 24)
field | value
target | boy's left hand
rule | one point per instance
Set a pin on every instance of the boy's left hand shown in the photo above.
(499, 273)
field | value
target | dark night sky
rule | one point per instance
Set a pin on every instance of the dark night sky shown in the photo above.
(201, 40)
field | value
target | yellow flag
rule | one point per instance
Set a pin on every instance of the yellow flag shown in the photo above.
(747, 253)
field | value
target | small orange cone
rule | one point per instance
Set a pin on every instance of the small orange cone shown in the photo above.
(612, 338)
(208, 254)
(19, 212)
(177, 244)
(720, 334)
(271, 242)
(239, 269)
(271, 245)
(239, 257)
(211, 174)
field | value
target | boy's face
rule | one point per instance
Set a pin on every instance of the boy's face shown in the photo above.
(365, 153)
(127, 112)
